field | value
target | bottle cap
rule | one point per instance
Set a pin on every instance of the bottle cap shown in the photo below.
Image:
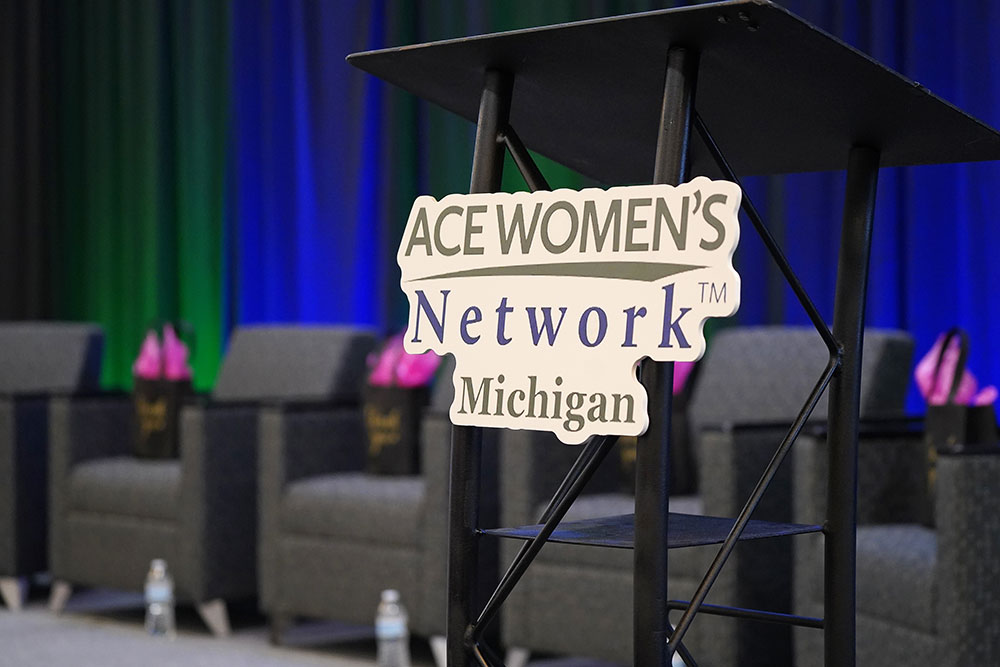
(390, 595)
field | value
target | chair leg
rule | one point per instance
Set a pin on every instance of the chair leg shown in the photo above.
(517, 657)
(439, 649)
(14, 591)
(59, 595)
(277, 625)
(216, 617)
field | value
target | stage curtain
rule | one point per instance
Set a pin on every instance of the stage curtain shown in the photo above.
(220, 163)
(336, 155)
(27, 192)
(327, 160)
(142, 115)
(936, 233)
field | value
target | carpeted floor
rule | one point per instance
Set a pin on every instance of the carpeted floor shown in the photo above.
(105, 629)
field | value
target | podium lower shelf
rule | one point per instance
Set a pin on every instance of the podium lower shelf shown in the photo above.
(685, 530)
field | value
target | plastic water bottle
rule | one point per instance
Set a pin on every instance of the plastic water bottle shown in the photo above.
(391, 632)
(160, 600)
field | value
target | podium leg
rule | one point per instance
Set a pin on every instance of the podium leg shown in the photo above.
(652, 485)
(467, 442)
(845, 401)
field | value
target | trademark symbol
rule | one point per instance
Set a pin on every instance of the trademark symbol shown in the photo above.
(712, 293)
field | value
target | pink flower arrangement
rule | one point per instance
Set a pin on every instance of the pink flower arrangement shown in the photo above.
(682, 371)
(168, 361)
(393, 366)
(935, 390)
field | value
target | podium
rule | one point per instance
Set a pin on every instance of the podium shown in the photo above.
(739, 87)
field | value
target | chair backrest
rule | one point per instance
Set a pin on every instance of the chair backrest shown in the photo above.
(49, 357)
(294, 363)
(444, 389)
(764, 374)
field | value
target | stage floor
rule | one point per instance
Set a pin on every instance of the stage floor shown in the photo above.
(105, 629)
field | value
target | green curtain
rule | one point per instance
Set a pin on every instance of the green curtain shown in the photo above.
(115, 120)
(143, 94)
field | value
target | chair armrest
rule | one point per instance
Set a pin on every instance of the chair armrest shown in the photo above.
(218, 501)
(889, 424)
(81, 428)
(89, 427)
(532, 465)
(23, 486)
(967, 497)
(303, 440)
(730, 463)
(435, 466)
(299, 440)
(892, 475)
(892, 487)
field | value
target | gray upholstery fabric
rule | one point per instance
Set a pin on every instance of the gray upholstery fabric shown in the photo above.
(588, 611)
(435, 448)
(755, 376)
(967, 575)
(218, 502)
(895, 583)
(293, 446)
(357, 507)
(332, 538)
(592, 506)
(923, 595)
(23, 498)
(49, 357)
(343, 580)
(114, 552)
(289, 363)
(878, 643)
(80, 430)
(764, 374)
(126, 486)
(208, 537)
(200, 512)
(36, 358)
(533, 464)
(443, 391)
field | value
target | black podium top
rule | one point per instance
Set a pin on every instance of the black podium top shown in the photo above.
(779, 94)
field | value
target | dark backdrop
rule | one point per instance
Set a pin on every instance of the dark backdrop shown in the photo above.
(219, 162)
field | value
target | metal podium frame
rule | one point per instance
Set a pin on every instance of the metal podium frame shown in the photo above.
(655, 639)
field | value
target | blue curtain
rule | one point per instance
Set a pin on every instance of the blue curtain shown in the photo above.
(935, 232)
(303, 218)
(325, 161)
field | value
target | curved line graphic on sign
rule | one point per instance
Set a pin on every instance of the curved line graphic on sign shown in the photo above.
(643, 271)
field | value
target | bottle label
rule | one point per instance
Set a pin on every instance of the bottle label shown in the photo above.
(159, 591)
(390, 628)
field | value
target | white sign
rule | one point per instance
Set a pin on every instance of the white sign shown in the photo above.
(549, 300)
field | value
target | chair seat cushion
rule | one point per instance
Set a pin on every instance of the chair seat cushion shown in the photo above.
(896, 574)
(593, 506)
(126, 486)
(356, 507)
(611, 504)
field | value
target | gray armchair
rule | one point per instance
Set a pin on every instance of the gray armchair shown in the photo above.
(333, 537)
(924, 595)
(112, 513)
(578, 600)
(37, 359)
